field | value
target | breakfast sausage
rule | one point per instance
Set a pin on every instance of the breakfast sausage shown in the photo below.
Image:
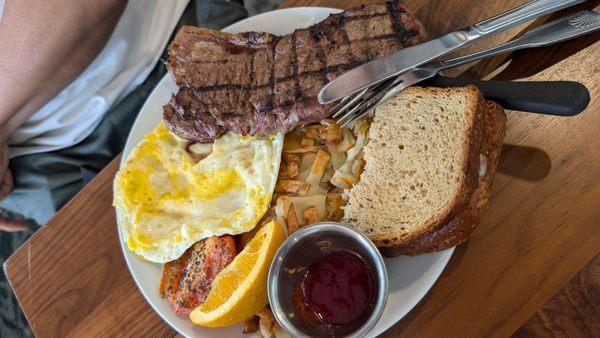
(187, 280)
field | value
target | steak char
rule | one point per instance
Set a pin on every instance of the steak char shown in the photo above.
(258, 83)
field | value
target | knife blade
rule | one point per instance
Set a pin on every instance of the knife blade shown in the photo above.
(407, 58)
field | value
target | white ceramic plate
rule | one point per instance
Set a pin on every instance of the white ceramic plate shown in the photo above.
(410, 277)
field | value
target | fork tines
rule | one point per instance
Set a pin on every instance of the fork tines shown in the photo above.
(354, 107)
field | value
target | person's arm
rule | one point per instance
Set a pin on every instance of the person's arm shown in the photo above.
(45, 45)
(6, 183)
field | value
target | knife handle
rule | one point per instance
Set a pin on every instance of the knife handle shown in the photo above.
(521, 14)
(562, 98)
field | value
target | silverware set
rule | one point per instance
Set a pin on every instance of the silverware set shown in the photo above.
(360, 90)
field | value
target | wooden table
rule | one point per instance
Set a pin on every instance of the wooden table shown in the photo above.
(542, 227)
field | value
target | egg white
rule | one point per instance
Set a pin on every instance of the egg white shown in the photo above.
(166, 201)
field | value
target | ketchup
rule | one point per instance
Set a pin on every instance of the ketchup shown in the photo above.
(336, 289)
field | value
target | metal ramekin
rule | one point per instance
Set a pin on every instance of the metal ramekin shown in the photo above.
(299, 250)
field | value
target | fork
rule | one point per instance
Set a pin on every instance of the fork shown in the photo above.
(356, 106)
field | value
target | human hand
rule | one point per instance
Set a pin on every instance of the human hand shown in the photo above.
(6, 179)
(6, 185)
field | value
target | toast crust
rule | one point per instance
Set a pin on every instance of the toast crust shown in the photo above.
(458, 225)
(466, 168)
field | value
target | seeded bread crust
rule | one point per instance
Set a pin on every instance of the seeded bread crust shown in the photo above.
(457, 228)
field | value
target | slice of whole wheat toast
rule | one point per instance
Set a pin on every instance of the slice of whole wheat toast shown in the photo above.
(430, 162)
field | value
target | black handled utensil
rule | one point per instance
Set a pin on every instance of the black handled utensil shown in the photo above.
(354, 107)
(562, 98)
(374, 72)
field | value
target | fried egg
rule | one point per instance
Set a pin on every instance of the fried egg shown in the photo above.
(166, 200)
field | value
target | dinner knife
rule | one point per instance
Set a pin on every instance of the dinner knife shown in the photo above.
(565, 98)
(381, 69)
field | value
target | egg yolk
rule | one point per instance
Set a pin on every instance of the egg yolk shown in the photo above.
(204, 186)
(211, 185)
(136, 191)
(170, 200)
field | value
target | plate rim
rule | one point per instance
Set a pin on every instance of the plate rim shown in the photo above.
(444, 255)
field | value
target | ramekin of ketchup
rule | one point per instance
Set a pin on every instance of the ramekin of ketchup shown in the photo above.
(327, 280)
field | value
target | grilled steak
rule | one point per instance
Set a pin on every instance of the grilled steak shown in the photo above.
(257, 83)
(186, 281)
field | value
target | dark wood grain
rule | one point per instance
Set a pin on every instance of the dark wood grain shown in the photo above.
(540, 230)
(573, 312)
(70, 276)
(542, 225)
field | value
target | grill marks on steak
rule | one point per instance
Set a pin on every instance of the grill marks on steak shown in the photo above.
(257, 83)
(185, 113)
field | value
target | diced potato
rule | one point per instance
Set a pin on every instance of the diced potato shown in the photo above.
(357, 168)
(344, 177)
(338, 156)
(282, 207)
(300, 203)
(291, 141)
(317, 162)
(304, 150)
(334, 199)
(342, 180)
(292, 186)
(292, 222)
(282, 171)
(292, 165)
(269, 328)
(313, 131)
(327, 186)
(316, 172)
(332, 134)
(334, 206)
(310, 215)
(320, 163)
(328, 173)
(358, 145)
(348, 140)
(251, 325)
(303, 176)
(307, 161)
(361, 127)
(307, 142)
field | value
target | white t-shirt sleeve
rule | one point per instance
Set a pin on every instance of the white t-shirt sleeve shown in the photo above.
(131, 53)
